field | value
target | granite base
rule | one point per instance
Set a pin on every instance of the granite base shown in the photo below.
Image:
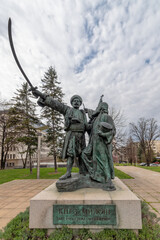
(128, 206)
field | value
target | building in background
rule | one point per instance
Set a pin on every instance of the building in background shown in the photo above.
(130, 153)
(16, 154)
(156, 148)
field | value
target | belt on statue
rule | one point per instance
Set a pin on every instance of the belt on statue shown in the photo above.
(77, 127)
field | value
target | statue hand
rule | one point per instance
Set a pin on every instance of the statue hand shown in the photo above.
(86, 110)
(100, 133)
(37, 93)
(41, 102)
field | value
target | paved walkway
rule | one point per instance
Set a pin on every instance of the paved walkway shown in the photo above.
(146, 185)
(15, 197)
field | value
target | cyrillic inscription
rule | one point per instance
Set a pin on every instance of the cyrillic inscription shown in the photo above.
(84, 214)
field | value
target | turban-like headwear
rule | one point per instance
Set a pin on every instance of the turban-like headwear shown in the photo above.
(75, 96)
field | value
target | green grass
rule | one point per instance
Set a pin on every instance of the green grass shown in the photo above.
(121, 174)
(155, 169)
(123, 164)
(45, 173)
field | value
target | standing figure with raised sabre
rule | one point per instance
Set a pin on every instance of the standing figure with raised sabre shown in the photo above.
(75, 119)
(75, 127)
(94, 161)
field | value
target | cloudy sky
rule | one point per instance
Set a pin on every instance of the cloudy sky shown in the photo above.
(97, 47)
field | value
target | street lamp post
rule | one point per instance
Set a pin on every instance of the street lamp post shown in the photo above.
(39, 154)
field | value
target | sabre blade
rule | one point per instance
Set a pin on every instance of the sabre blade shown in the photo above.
(14, 53)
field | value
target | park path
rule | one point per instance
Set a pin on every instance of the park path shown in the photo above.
(15, 197)
(146, 185)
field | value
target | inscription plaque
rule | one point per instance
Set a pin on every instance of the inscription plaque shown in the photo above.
(84, 214)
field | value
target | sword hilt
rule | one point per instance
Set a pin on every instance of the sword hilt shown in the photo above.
(32, 89)
(37, 93)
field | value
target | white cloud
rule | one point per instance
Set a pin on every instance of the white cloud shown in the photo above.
(97, 47)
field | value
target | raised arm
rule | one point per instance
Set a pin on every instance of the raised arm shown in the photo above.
(46, 100)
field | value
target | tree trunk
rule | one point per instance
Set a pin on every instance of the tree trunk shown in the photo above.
(150, 154)
(2, 159)
(25, 161)
(5, 157)
(55, 162)
(30, 163)
(147, 160)
(145, 156)
(2, 165)
(2, 149)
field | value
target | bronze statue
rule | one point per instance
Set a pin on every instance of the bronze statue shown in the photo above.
(97, 156)
(94, 161)
(75, 127)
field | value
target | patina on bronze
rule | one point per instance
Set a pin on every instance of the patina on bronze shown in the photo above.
(75, 126)
(84, 215)
(95, 161)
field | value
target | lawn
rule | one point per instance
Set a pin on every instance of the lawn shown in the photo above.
(45, 173)
(155, 169)
(121, 174)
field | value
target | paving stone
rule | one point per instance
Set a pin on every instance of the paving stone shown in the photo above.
(146, 184)
(15, 196)
(156, 206)
(4, 222)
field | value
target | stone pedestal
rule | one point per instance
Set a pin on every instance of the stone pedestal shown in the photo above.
(127, 207)
(78, 181)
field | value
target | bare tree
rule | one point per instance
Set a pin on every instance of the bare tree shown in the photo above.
(145, 132)
(23, 153)
(120, 124)
(7, 135)
(131, 151)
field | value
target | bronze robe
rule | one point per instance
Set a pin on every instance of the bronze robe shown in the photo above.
(97, 156)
